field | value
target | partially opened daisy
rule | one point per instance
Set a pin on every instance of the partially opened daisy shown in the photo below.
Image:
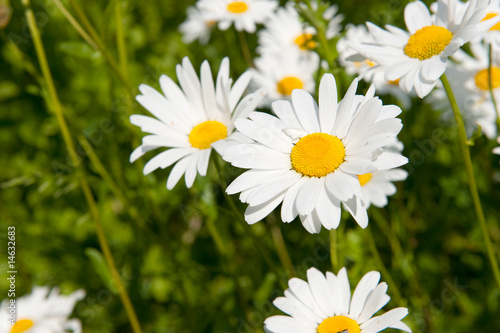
(418, 58)
(324, 304)
(197, 25)
(43, 310)
(308, 157)
(243, 14)
(192, 119)
(378, 185)
(285, 29)
(281, 73)
(356, 64)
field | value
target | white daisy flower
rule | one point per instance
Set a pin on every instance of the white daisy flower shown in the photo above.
(308, 157)
(489, 27)
(496, 150)
(419, 58)
(192, 119)
(43, 310)
(324, 304)
(469, 80)
(356, 64)
(377, 185)
(243, 14)
(286, 29)
(197, 25)
(280, 74)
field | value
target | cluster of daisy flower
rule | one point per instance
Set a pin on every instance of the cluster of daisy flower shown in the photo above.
(314, 156)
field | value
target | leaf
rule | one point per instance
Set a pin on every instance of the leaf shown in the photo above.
(101, 268)
(79, 50)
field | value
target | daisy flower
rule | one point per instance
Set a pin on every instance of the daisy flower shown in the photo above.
(281, 74)
(192, 119)
(43, 310)
(243, 14)
(419, 57)
(356, 64)
(489, 27)
(308, 157)
(286, 29)
(198, 25)
(377, 185)
(469, 80)
(324, 304)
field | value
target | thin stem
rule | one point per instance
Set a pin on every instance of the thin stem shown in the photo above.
(216, 236)
(393, 240)
(100, 44)
(472, 181)
(279, 243)
(381, 265)
(120, 39)
(53, 100)
(490, 83)
(75, 24)
(334, 250)
(244, 48)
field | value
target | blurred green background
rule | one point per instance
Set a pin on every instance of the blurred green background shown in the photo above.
(178, 281)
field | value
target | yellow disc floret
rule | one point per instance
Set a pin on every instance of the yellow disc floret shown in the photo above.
(490, 16)
(305, 42)
(21, 326)
(338, 324)
(237, 7)
(364, 178)
(317, 154)
(482, 78)
(206, 133)
(286, 85)
(428, 42)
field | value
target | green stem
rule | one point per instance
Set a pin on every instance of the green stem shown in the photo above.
(490, 84)
(216, 236)
(120, 39)
(75, 24)
(386, 229)
(334, 250)
(385, 272)
(472, 181)
(244, 48)
(279, 243)
(102, 48)
(53, 100)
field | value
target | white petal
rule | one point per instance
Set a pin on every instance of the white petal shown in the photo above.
(357, 210)
(417, 16)
(342, 293)
(306, 110)
(308, 195)
(327, 103)
(254, 214)
(321, 291)
(363, 289)
(384, 321)
(177, 171)
(372, 303)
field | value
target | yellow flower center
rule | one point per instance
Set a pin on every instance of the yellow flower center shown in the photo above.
(317, 154)
(482, 78)
(338, 324)
(428, 42)
(489, 16)
(21, 326)
(394, 82)
(286, 86)
(204, 134)
(237, 7)
(305, 42)
(364, 178)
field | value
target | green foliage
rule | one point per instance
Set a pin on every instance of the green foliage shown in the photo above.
(179, 277)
